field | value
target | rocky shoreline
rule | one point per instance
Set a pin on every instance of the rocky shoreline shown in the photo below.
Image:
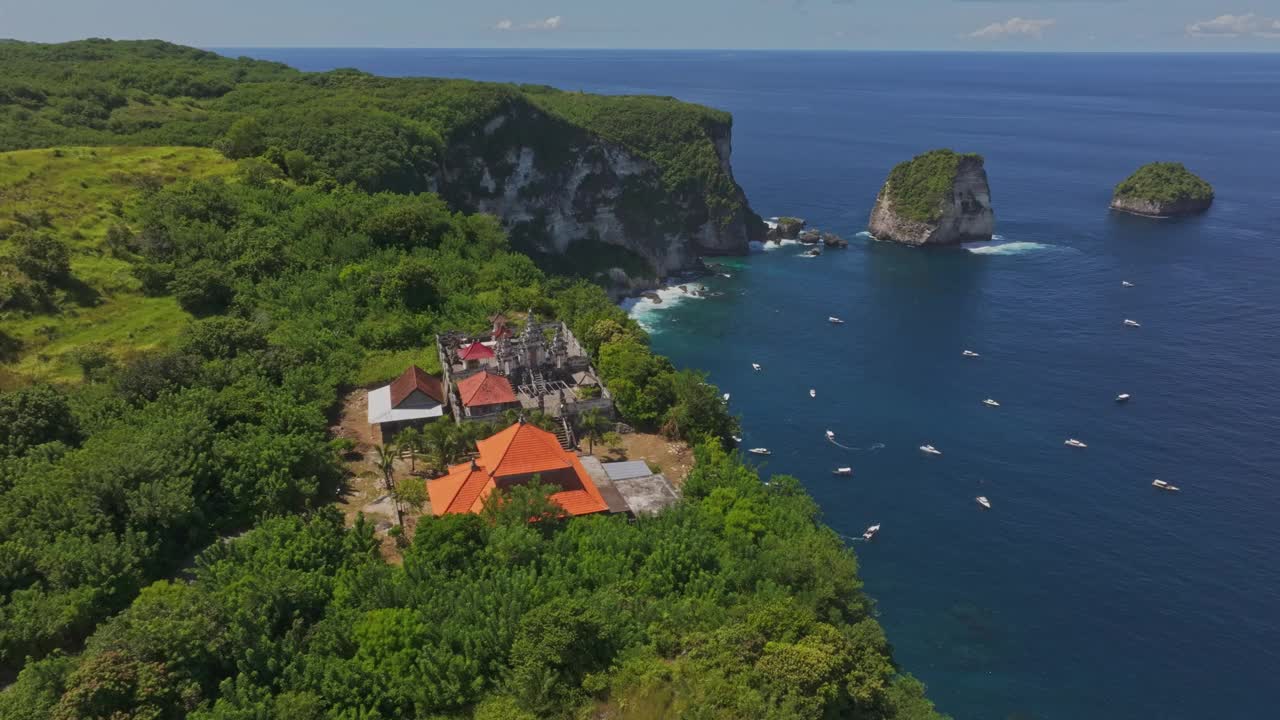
(794, 228)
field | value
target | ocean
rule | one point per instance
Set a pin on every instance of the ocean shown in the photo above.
(1084, 592)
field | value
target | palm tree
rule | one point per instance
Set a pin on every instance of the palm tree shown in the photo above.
(387, 463)
(410, 439)
(593, 425)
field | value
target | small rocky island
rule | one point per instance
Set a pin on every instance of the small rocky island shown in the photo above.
(938, 198)
(1163, 189)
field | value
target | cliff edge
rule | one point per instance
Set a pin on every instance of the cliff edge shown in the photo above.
(1162, 189)
(938, 198)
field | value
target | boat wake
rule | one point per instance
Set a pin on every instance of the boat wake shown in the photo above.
(870, 448)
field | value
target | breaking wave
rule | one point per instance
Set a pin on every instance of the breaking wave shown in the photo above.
(644, 310)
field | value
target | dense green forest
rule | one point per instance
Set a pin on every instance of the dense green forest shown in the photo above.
(379, 133)
(736, 603)
(919, 187)
(168, 547)
(1164, 182)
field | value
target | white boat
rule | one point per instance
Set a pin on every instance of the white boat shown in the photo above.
(871, 532)
(813, 393)
(759, 451)
(725, 275)
(983, 501)
(1126, 283)
(831, 436)
(929, 449)
(1122, 397)
(835, 320)
(970, 353)
(726, 397)
(1131, 323)
(1074, 443)
(990, 402)
(755, 366)
(1162, 485)
(842, 471)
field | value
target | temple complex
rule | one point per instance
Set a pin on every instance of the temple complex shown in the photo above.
(539, 367)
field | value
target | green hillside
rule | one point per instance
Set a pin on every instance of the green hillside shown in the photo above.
(76, 196)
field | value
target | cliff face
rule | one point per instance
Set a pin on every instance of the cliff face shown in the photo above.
(553, 184)
(963, 214)
(1159, 208)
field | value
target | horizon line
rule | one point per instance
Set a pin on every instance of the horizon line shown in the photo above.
(974, 51)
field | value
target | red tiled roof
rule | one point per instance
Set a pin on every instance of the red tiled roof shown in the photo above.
(415, 378)
(515, 455)
(523, 449)
(485, 388)
(475, 351)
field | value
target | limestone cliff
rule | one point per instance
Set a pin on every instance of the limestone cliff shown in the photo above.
(938, 198)
(558, 185)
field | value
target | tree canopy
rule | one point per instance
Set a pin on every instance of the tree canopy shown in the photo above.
(1164, 182)
(920, 187)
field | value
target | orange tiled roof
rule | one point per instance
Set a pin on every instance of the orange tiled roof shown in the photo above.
(485, 388)
(415, 378)
(476, 351)
(515, 455)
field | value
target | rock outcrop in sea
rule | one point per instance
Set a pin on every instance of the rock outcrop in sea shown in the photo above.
(1163, 189)
(938, 198)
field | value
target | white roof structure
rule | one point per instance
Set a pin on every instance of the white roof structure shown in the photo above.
(380, 410)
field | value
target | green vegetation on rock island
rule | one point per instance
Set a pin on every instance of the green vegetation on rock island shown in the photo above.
(920, 188)
(177, 327)
(1164, 183)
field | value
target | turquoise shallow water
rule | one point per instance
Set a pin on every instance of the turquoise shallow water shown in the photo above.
(1083, 592)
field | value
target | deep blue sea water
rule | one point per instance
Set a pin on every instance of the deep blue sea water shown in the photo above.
(1084, 592)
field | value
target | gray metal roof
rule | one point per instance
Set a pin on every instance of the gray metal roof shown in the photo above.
(628, 469)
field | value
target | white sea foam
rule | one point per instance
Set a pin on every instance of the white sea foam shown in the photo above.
(1004, 248)
(643, 310)
(757, 246)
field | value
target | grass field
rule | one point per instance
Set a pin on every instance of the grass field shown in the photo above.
(77, 194)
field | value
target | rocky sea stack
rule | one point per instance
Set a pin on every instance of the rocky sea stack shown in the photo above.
(1163, 189)
(938, 198)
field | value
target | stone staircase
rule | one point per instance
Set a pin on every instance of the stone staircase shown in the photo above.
(564, 433)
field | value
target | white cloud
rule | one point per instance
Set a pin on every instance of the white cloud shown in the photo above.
(552, 23)
(1230, 26)
(1013, 27)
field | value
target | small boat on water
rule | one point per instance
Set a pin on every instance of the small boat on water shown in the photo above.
(990, 402)
(871, 532)
(835, 320)
(1125, 283)
(759, 451)
(726, 397)
(831, 436)
(725, 275)
(930, 450)
(983, 501)
(842, 471)
(1074, 443)
(970, 353)
(1162, 485)
(1131, 323)
(813, 393)
(755, 366)
(1122, 397)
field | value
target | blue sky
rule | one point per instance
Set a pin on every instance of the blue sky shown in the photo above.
(1091, 25)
